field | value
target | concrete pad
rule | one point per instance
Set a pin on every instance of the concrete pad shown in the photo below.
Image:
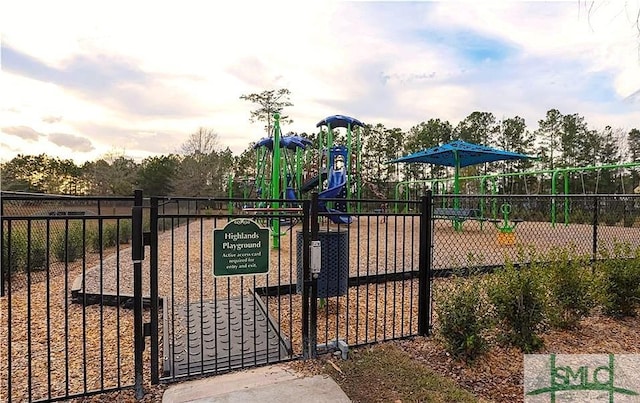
(268, 384)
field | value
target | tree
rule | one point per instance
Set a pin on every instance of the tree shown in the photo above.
(633, 142)
(380, 145)
(245, 163)
(515, 137)
(24, 173)
(269, 102)
(113, 175)
(41, 174)
(422, 136)
(203, 142)
(200, 171)
(576, 146)
(548, 134)
(478, 128)
(155, 176)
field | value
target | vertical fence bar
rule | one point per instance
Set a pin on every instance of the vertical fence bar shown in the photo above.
(315, 229)
(424, 280)
(153, 285)
(306, 348)
(28, 269)
(137, 256)
(9, 313)
(596, 203)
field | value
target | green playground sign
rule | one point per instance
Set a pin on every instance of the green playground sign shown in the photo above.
(240, 248)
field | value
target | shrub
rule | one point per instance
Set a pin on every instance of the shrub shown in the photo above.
(38, 260)
(611, 218)
(571, 291)
(579, 216)
(629, 219)
(15, 259)
(109, 237)
(518, 298)
(462, 318)
(619, 276)
(125, 231)
(20, 244)
(68, 244)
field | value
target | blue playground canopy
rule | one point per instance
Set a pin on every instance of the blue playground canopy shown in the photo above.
(289, 142)
(460, 154)
(339, 121)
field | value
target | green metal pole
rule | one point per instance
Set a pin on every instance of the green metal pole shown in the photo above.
(298, 172)
(554, 177)
(275, 179)
(230, 192)
(566, 199)
(456, 182)
(357, 167)
(347, 165)
(482, 193)
(397, 196)
(457, 224)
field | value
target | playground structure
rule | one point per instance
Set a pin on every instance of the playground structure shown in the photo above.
(340, 165)
(288, 166)
(494, 184)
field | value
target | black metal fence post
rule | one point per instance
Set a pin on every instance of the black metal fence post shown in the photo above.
(315, 229)
(153, 285)
(306, 275)
(424, 265)
(596, 203)
(137, 255)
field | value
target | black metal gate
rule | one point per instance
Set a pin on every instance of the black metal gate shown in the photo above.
(370, 283)
(206, 324)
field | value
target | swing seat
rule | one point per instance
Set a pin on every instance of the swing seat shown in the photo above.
(450, 213)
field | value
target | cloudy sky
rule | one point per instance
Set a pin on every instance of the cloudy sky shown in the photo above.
(81, 79)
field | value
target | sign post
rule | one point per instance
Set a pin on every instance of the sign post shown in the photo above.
(240, 248)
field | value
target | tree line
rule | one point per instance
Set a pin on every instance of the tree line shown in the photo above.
(202, 167)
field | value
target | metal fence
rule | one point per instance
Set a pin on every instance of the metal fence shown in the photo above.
(58, 341)
(73, 269)
(489, 231)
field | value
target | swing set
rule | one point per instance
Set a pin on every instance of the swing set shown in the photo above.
(490, 185)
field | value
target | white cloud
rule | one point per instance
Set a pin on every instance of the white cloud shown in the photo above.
(72, 142)
(23, 132)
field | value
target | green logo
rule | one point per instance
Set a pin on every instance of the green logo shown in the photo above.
(240, 248)
(580, 374)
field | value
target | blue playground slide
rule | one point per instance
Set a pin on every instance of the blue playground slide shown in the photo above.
(337, 182)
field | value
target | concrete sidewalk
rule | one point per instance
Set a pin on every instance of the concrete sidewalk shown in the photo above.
(274, 383)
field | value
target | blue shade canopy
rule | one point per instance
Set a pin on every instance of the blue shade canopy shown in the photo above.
(339, 121)
(460, 154)
(290, 142)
